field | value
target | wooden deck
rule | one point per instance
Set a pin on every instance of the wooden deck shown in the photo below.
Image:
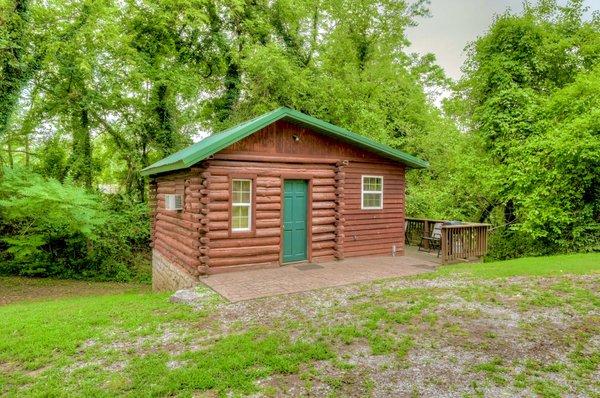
(460, 241)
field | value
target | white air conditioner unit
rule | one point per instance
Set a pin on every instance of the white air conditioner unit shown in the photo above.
(173, 202)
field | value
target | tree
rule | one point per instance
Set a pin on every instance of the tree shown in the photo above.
(69, 78)
(556, 173)
(507, 99)
(15, 57)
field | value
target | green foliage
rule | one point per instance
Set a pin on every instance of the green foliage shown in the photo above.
(93, 91)
(119, 250)
(54, 229)
(556, 173)
(53, 159)
(354, 74)
(457, 185)
(43, 217)
(507, 243)
(16, 58)
(530, 93)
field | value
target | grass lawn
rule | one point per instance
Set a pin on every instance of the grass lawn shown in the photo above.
(17, 289)
(522, 327)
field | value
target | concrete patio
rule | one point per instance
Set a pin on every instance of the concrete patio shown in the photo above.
(293, 278)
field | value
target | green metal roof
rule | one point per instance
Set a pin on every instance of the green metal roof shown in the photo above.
(217, 142)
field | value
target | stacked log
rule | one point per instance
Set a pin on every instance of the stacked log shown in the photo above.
(340, 178)
(324, 221)
(259, 246)
(262, 245)
(153, 206)
(176, 233)
(268, 202)
(201, 193)
(216, 199)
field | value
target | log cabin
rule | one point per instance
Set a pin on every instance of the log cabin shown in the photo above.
(282, 188)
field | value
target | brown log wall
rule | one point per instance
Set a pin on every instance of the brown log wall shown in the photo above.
(262, 246)
(176, 234)
(370, 232)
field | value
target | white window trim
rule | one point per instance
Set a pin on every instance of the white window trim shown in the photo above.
(363, 192)
(238, 204)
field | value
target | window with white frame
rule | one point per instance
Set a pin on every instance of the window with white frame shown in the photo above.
(241, 205)
(372, 192)
(173, 202)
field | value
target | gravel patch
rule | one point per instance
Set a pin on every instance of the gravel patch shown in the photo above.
(469, 322)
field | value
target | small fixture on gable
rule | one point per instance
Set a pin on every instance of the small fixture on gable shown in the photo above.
(296, 137)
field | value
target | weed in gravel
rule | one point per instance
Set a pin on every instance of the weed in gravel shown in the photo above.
(547, 389)
(231, 364)
(494, 370)
(584, 363)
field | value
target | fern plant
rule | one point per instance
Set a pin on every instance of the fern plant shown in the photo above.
(43, 218)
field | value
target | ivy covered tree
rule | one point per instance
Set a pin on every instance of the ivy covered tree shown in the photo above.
(556, 173)
(509, 98)
(16, 63)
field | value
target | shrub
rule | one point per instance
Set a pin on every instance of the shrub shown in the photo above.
(57, 229)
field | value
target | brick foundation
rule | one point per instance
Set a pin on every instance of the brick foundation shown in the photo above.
(169, 276)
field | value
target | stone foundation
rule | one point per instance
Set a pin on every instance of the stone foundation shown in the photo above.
(169, 276)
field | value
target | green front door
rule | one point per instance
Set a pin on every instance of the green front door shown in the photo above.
(295, 193)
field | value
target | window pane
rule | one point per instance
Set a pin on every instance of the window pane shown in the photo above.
(372, 184)
(241, 185)
(241, 191)
(240, 197)
(240, 217)
(372, 200)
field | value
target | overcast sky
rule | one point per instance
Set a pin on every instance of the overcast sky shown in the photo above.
(455, 23)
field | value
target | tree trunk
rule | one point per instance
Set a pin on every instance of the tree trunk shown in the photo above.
(27, 147)
(163, 110)
(9, 153)
(232, 78)
(82, 167)
(12, 64)
(232, 89)
(485, 214)
(509, 212)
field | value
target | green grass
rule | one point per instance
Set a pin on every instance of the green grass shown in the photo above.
(574, 264)
(20, 289)
(32, 334)
(115, 344)
(231, 364)
(494, 370)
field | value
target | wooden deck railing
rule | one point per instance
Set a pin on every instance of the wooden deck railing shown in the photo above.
(464, 241)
